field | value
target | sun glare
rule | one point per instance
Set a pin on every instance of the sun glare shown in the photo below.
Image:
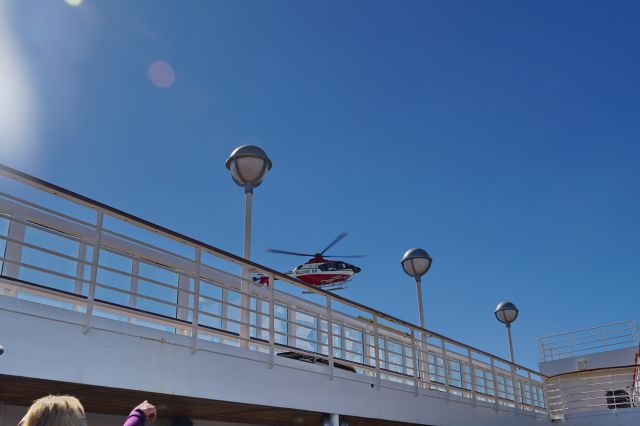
(73, 2)
(17, 100)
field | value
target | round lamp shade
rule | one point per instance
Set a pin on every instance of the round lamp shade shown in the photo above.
(248, 164)
(416, 262)
(506, 312)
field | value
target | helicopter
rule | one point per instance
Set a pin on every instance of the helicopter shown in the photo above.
(319, 271)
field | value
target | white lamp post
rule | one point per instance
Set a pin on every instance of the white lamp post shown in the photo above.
(248, 164)
(506, 313)
(416, 262)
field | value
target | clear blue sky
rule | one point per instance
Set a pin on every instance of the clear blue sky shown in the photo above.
(502, 137)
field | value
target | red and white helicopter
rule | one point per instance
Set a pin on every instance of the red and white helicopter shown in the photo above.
(318, 271)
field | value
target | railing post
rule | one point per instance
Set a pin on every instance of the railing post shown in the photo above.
(604, 339)
(196, 302)
(133, 294)
(272, 321)
(245, 308)
(94, 271)
(291, 326)
(571, 345)
(82, 254)
(531, 402)
(318, 318)
(514, 378)
(376, 344)
(13, 252)
(414, 359)
(495, 383)
(224, 308)
(330, 335)
(445, 365)
(472, 372)
(183, 296)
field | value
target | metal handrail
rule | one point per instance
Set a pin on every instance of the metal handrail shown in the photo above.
(597, 327)
(589, 340)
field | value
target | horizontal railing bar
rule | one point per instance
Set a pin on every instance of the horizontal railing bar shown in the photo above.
(144, 278)
(149, 246)
(46, 209)
(141, 296)
(54, 292)
(44, 271)
(47, 229)
(45, 250)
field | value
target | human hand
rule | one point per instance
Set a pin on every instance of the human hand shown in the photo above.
(148, 409)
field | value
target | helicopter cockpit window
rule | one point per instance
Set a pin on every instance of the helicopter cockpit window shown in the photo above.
(329, 266)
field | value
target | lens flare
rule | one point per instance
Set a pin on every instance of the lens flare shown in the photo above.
(161, 74)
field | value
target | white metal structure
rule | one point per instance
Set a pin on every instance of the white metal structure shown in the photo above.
(593, 372)
(72, 253)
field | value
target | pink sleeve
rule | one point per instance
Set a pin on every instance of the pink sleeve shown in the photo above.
(136, 418)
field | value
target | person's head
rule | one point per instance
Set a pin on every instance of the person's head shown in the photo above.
(55, 410)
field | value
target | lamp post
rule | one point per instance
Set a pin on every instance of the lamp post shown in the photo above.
(506, 313)
(248, 164)
(416, 262)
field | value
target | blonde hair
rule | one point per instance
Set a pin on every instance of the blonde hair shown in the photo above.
(55, 410)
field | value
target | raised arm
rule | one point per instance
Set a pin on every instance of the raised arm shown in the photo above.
(139, 415)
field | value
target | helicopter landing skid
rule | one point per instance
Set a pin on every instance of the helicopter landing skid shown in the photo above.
(329, 287)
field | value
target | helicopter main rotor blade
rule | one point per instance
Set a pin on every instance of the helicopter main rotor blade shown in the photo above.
(293, 253)
(334, 242)
(347, 256)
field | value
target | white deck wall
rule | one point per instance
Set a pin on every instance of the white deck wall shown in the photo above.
(49, 343)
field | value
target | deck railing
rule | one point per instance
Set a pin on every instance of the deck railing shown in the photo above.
(586, 391)
(65, 250)
(586, 341)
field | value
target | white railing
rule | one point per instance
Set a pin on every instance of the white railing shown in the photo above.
(593, 390)
(65, 250)
(589, 340)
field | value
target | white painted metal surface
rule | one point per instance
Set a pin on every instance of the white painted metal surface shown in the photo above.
(593, 373)
(122, 355)
(612, 389)
(80, 256)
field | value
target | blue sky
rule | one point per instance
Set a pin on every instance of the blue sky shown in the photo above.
(501, 137)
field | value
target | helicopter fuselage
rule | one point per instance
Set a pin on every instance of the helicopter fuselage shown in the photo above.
(319, 271)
